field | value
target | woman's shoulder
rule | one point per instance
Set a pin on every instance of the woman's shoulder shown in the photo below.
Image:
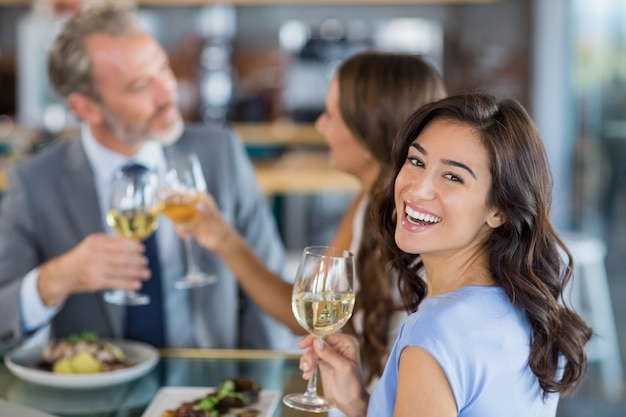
(475, 298)
(481, 342)
(464, 312)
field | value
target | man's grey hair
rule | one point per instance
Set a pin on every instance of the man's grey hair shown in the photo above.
(69, 64)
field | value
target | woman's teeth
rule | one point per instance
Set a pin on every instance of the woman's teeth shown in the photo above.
(416, 217)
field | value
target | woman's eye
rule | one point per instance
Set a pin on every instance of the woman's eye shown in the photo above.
(454, 178)
(415, 161)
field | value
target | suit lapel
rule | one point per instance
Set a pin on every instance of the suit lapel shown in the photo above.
(78, 192)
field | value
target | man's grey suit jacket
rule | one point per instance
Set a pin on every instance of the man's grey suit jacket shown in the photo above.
(51, 205)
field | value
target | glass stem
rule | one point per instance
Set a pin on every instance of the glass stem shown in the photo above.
(311, 387)
(191, 263)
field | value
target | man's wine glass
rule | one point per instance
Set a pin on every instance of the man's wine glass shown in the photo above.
(133, 213)
(181, 188)
(322, 302)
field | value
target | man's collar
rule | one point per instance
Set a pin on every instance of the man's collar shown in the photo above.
(105, 162)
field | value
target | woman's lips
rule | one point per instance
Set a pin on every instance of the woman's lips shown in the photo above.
(417, 220)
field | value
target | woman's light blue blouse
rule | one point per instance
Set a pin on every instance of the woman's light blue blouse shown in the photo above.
(481, 341)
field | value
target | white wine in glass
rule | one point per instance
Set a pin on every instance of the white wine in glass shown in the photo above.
(181, 188)
(133, 213)
(322, 302)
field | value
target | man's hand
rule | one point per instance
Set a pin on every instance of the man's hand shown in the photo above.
(98, 262)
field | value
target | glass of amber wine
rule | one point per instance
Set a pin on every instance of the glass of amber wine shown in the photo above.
(182, 186)
(133, 213)
(322, 302)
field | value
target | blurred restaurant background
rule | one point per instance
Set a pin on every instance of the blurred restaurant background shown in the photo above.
(263, 66)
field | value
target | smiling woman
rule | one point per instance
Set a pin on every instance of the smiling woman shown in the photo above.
(476, 252)
(442, 187)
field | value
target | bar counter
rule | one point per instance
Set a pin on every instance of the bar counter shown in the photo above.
(176, 367)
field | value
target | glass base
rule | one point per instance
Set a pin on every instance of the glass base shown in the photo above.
(306, 402)
(194, 280)
(126, 298)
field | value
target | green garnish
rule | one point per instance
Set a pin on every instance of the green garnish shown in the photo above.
(85, 336)
(225, 389)
(208, 403)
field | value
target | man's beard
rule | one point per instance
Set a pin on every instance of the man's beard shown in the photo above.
(134, 133)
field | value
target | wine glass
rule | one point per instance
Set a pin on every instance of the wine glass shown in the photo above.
(322, 302)
(133, 213)
(181, 188)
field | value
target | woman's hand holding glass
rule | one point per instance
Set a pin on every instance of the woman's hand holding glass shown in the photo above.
(182, 188)
(210, 229)
(322, 302)
(338, 359)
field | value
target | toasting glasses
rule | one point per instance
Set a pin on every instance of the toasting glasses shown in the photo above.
(322, 302)
(133, 213)
(181, 188)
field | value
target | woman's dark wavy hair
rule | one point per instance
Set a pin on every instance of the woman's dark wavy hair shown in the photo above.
(525, 252)
(378, 91)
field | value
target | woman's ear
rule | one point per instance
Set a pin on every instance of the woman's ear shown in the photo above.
(495, 220)
(85, 108)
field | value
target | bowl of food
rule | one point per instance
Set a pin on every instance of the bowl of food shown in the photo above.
(82, 362)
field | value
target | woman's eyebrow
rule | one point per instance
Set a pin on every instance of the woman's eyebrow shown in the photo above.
(419, 148)
(449, 162)
(459, 165)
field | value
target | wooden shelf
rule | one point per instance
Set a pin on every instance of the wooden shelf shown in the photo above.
(310, 2)
(301, 167)
(295, 172)
(167, 3)
(279, 134)
(302, 172)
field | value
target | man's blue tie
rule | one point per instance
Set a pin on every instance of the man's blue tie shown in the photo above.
(146, 323)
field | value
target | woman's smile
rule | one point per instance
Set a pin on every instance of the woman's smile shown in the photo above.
(416, 219)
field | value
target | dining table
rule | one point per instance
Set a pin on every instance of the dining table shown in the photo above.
(276, 371)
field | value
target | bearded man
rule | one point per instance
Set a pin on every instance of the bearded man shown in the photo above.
(57, 254)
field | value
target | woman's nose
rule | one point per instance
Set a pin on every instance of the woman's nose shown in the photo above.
(422, 187)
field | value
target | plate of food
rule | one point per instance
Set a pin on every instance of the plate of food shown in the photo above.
(83, 362)
(241, 397)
